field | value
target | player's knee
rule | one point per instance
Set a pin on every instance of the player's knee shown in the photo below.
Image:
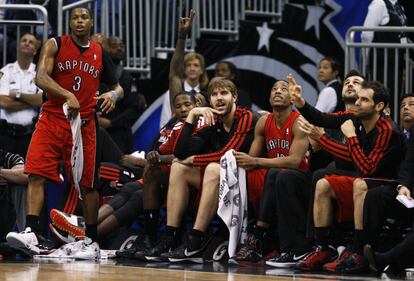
(323, 189)
(36, 181)
(359, 187)
(212, 170)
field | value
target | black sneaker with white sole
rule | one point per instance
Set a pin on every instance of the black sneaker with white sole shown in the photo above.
(191, 250)
(286, 260)
(167, 243)
(142, 244)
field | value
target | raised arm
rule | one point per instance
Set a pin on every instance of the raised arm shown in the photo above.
(45, 81)
(314, 116)
(177, 62)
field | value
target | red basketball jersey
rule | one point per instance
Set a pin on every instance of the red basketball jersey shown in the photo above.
(79, 72)
(278, 141)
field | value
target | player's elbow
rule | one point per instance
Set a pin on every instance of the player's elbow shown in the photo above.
(40, 79)
(294, 163)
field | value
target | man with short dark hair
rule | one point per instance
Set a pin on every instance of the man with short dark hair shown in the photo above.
(407, 113)
(374, 144)
(118, 123)
(70, 69)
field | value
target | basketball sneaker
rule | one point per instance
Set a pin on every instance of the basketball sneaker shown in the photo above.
(72, 224)
(61, 235)
(141, 245)
(317, 258)
(86, 249)
(287, 260)
(29, 243)
(166, 243)
(191, 250)
(251, 252)
(25, 241)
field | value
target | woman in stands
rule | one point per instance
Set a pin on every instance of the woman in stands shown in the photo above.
(330, 98)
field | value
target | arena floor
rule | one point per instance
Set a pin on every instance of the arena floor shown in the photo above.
(123, 270)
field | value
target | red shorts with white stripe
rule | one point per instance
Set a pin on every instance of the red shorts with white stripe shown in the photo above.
(52, 142)
(342, 186)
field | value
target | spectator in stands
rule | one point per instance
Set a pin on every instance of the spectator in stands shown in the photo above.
(31, 15)
(225, 127)
(118, 123)
(407, 113)
(280, 146)
(187, 72)
(385, 13)
(101, 39)
(375, 147)
(2, 17)
(13, 185)
(228, 71)
(20, 98)
(329, 99)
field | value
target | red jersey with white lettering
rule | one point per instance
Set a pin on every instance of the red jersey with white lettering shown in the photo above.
(279, 141)
(78, 70)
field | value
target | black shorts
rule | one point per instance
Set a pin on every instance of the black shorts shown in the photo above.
(127, 204)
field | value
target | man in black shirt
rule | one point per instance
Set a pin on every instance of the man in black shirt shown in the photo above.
(13, 185)
(118, 122)
(374, 146)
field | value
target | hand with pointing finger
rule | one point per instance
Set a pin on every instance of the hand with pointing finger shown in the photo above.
(295, 92)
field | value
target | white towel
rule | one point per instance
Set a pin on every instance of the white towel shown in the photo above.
(233, 200)
(76, 157)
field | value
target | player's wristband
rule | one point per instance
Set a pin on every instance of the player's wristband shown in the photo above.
(115, 95)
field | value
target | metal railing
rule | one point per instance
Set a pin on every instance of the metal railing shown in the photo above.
(127, 19)
(262, 8)
(19, 23)
(164, 23)
(219, 17)
(357, 57)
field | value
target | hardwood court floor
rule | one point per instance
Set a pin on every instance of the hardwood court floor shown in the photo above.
(114, 270)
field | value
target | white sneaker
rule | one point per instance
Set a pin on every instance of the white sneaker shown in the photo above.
(87, 250)
(25, 241)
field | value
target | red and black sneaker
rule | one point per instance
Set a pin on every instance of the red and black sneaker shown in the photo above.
(355, 263)
(317, 258)
(331, 266)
